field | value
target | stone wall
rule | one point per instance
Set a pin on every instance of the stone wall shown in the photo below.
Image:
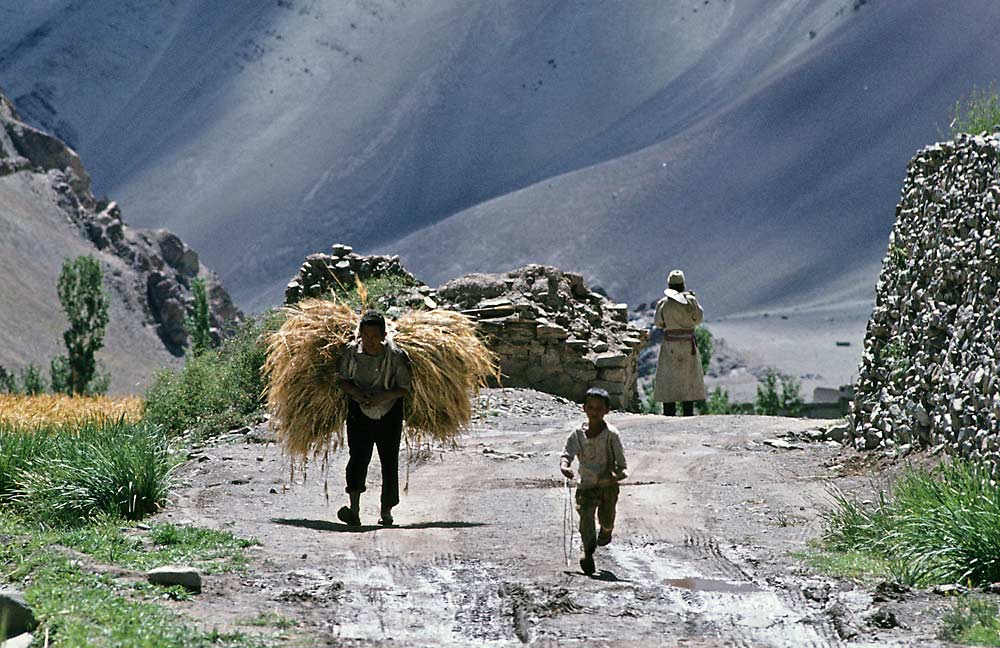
(551, 331)
(929, 373)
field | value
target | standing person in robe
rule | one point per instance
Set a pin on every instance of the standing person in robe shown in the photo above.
(679, 375)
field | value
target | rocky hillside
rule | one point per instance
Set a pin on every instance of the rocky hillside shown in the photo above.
(931, 368)
(758, 144)
(49, 214)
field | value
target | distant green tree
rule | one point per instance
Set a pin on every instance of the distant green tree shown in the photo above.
(718, 403)
(86, 306)
(8, 382)
(31, 380)
(649, 404)
(703, 340)
(771, 401)
(59, 375)
(978, 112)
(199, 325)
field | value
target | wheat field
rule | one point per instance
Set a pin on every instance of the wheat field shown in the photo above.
(43, 410)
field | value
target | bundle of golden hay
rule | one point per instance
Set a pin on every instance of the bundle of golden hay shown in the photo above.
(44, 410)
(449, 363)
(303, 397)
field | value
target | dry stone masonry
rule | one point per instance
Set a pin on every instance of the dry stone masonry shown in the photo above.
(551, 331)
(929, 374)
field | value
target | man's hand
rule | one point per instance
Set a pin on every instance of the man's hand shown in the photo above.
(620, 475)
(567, 472)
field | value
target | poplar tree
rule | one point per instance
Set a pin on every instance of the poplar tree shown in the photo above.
(86, 306)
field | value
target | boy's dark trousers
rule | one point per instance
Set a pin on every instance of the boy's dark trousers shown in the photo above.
(599, 499)
(364, 434)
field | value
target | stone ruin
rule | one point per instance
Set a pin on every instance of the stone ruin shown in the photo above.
(929, 374)
(551, 331)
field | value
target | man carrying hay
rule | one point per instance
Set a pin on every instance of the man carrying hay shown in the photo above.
(375, 375)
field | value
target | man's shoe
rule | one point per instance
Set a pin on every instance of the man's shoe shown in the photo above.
(386, 519)
(587, 564)
(348, 517)
(604, 537)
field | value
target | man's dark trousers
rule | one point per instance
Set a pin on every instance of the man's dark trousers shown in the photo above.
(364, 434)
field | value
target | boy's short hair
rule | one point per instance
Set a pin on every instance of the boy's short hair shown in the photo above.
(597, 392)
(372, 318)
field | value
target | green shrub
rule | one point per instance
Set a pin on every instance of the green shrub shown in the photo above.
(703, 340)
(66, 475)
(649, 404)
(939, 526)
(979, 112)
(31, 380)
(216, 390)
(379, 292)
(771, 401)
(718, 402)
(59, 375)
(198, 325)
(8, 382)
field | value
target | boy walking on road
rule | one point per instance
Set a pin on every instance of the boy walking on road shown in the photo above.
(598, 449)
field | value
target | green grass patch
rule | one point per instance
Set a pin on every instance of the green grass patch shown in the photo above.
(378, 292)
(972, 622)
(978, 112)
(937, 526)
(855, 565)
(208, 550)
(218, 389)
(80, 608)
(65, 475)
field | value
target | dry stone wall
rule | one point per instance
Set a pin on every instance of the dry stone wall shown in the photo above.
(929, 374)
(551, 331)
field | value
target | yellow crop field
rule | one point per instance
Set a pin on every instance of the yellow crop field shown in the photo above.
(46, 409)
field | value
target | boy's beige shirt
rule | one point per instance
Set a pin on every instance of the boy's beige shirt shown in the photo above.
(599, 457)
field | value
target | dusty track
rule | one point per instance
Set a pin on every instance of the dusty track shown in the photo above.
(702, 556)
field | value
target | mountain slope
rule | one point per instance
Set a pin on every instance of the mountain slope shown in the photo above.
(759, 144)
(48, 215)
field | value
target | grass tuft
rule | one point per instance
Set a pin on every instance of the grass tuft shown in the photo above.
(939, 526)
(66, 475)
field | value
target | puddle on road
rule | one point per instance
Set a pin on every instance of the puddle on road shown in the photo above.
(709, 585)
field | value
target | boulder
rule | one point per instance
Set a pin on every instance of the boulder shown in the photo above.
(187, 577)
(19, 616)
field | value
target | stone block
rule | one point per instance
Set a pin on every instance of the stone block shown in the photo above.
(187, 577)
(611, 360)
(614, 375)
(549, 331)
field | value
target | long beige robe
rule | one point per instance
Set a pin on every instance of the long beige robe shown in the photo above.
(678, 372)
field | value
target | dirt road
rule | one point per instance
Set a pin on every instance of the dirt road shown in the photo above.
(703, 554)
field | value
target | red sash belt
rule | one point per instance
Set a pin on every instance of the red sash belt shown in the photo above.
(681, 335)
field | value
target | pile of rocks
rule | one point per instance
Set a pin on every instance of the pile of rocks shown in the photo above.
(552, 332)
(929, 373)
(324, 274)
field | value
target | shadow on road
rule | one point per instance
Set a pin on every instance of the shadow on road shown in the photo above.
(340, 527)
(602, 575)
